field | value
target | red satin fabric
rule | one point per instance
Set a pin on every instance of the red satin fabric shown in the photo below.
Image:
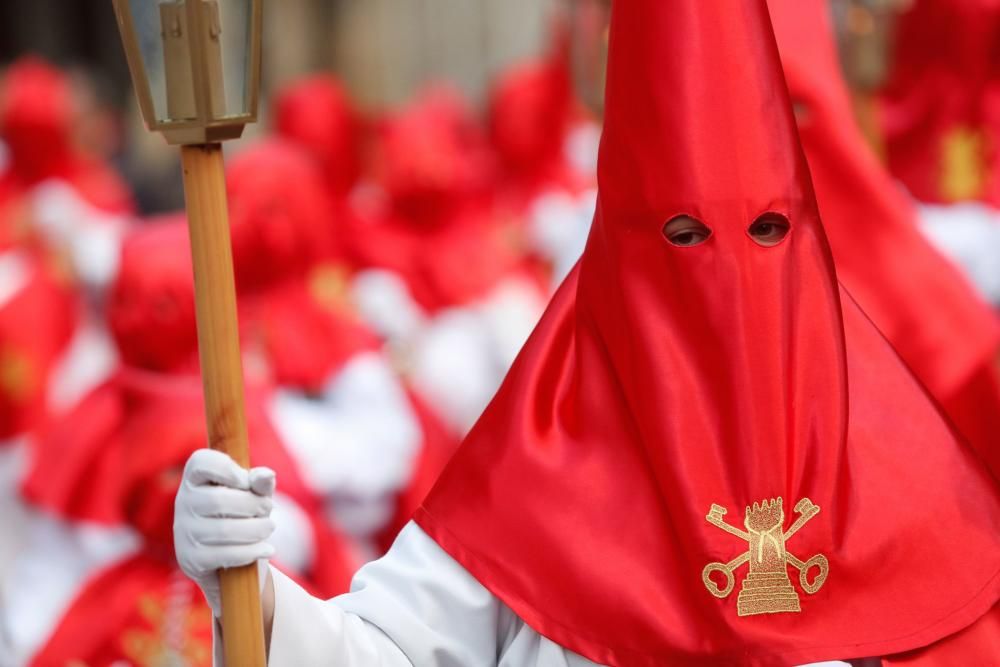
(944, 332)
(977, 644)
(664, 379)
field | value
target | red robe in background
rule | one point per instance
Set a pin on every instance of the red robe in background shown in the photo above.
(940, 108)
(152, 319)
(945, 333)
(120, 460)
(116, 458)
(38, 312)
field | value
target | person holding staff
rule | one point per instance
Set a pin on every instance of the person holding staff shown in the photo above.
(702, 360)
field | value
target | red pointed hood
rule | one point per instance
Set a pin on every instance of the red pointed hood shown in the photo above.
(432, 158)
(666, 385)
(530, 110)
(317, 114)
(946, 334)
(151, 311)
(281, 215)
(678, 142)
(36, 117)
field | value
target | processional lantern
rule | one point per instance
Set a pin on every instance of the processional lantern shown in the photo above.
(195, 67)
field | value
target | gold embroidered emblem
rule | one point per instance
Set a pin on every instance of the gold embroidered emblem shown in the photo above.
(174, 636)
(964, 168)
(767, 588)
(19, 376)
(329, 286)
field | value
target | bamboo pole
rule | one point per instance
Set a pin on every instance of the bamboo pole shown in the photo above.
(222, 376)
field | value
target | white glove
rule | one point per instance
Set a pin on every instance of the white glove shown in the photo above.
(222, 520)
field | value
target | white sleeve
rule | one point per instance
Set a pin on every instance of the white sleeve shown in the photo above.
(416, 606)
(308, 631)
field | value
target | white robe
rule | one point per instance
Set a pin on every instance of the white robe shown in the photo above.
(969, 234)
(357, 446)
(415, 606)
(457, 358)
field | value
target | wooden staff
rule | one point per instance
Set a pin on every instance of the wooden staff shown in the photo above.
(195, 116)
(222, 376)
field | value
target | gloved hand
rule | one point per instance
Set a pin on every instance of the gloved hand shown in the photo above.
(222, 519)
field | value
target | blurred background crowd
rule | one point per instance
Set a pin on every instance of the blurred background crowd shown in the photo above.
(422, 178)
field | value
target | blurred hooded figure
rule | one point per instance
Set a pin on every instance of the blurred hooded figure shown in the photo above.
(38, 312)
(97, 581)
(947, 335)
(545, 145)
(358, 435)
(50, 187)
(62, 203)
(939, 114)
(447, 283)
(316, 114)
(940, 108)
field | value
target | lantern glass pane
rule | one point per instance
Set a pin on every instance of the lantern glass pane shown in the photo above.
(168, 47)
(235, 55)
(160, 31)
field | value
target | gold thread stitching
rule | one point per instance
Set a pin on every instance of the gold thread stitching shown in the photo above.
(767, 588)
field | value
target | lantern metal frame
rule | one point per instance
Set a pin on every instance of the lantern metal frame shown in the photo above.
(203, 128)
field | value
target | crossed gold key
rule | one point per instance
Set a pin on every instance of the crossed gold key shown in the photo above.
(767, 589)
